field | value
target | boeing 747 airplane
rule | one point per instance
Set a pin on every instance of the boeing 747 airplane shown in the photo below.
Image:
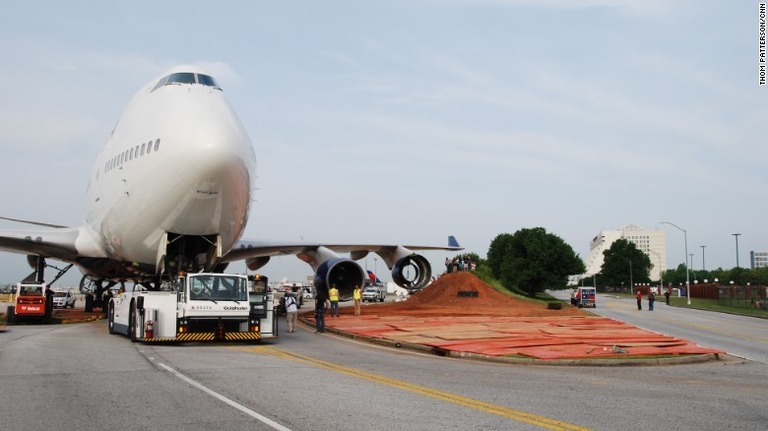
(171, 191)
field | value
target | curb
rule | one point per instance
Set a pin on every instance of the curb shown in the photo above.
(83, 320)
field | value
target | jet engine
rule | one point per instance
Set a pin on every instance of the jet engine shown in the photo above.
(343, 273)
(332, 269)
(409, 270)
(412, 272)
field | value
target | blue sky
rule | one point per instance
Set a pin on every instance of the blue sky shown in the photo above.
(407, 121)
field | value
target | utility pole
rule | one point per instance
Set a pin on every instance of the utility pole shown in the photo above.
(703, 264)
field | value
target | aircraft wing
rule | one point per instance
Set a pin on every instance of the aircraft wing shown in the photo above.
(409, 269)
(47, 240)
(249, 249)
(58, 242)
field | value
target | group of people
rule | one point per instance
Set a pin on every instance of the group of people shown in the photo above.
(331, 298)
(460, 263)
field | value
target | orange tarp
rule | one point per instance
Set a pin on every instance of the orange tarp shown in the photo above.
(541, 337)
(497, 325)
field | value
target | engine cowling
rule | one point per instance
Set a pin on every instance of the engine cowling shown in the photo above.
(412, 272)
(342, 272)
(254, 263)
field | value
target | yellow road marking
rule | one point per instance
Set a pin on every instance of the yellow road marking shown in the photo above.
(513, 414)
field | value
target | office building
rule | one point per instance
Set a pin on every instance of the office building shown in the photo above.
(758, 259)
(651, 242)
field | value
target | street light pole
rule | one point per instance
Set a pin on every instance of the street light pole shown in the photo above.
(703, 264)
(687, 276)
(736, 235)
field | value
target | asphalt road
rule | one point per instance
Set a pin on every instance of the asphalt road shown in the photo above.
(78, 377)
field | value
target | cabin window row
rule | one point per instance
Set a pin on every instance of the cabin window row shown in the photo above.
(128, 155)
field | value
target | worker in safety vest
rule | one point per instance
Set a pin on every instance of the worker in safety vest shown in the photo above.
(333, 297)
(357, 296)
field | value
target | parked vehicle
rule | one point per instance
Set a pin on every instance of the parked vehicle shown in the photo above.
(63, 299)
(374, 292)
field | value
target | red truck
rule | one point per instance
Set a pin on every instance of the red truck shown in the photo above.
(32, 303)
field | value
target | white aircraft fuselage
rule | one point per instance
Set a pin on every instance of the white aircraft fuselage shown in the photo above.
(171, 191)
(178, 160)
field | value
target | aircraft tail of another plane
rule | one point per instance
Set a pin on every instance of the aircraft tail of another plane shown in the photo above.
(452, 241)
(372, 277)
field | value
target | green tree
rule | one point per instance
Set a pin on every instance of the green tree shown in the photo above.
(622, 259)
(533, 260)
(496, 253)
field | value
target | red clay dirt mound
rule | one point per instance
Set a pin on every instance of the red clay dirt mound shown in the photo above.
(442, 298)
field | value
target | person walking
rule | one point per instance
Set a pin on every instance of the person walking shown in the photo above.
(639, 300)
(291, 310)
(357, 296)
(666, 296)
(320, 312)
(333, 296)
(651, 300)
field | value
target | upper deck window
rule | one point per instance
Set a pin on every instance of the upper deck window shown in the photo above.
(187, 78)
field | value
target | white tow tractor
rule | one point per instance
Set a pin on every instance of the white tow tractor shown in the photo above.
(198, 307)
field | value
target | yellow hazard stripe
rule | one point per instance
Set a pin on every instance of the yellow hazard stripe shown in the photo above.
(207, 336)
(234, 336)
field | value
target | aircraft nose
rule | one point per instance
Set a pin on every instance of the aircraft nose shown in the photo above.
(213, 143)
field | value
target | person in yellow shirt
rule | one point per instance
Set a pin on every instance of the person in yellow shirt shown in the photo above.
(357, 296)
(333, 297)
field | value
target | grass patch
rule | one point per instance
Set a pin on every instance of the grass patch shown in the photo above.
(712, 305)
(543, 298)
(702, 304)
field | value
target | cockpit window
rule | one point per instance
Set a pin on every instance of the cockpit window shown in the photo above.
(181, 78)
(207, 81)
(187, 78)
